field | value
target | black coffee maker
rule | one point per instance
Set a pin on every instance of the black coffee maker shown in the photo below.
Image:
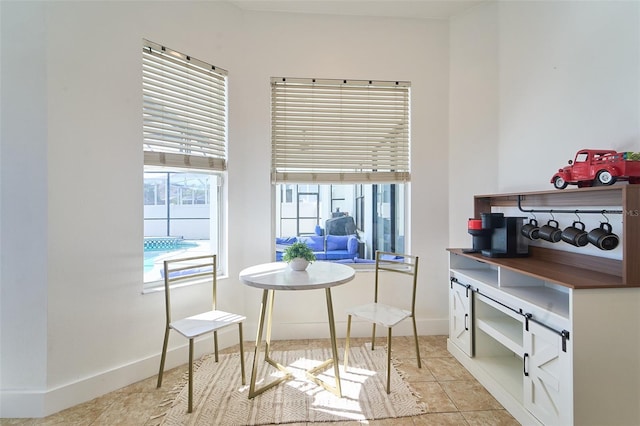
(506, 239)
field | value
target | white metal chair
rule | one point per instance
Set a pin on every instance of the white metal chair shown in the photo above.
(388, 267)
(189, 269)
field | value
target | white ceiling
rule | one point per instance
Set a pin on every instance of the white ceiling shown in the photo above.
(425, 9)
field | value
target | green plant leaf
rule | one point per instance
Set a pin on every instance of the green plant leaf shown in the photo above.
(298, 249)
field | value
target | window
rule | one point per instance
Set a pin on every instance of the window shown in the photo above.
(374, 213)
(581, 157)
(185, 146)
(340, 163)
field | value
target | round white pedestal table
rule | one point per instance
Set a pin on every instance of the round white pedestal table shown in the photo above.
(279, 276)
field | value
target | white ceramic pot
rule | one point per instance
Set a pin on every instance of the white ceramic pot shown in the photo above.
(299, 264)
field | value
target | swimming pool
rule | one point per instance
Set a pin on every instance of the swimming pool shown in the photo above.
(166, 243)
(158, 249)
(153, 256)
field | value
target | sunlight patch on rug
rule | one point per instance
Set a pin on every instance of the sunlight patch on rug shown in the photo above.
(219, 397)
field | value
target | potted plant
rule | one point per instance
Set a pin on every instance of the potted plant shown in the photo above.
(298, 255)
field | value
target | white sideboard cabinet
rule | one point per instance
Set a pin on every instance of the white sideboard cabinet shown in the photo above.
(555, 336)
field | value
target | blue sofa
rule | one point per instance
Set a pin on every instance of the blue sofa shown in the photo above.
(325, 247)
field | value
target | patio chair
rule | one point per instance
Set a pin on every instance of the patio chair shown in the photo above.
(190, 269)
(389, 269)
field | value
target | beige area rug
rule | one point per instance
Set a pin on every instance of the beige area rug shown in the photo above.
(220, 399)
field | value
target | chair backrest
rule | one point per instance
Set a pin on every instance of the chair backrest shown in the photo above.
(397, 263)
(189, 269)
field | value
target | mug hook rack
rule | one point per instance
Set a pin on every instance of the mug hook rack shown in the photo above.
(576, 211)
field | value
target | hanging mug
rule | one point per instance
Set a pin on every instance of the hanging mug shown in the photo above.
(531, 230)
(603, 238)
(575, 234)
(551, 231)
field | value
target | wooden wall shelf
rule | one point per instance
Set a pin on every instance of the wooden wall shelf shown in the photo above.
(607, 272)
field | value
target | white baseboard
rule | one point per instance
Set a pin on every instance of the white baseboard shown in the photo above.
(38, 403)
(22, 403)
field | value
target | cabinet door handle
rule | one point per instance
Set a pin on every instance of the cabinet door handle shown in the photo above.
(466, 322)
(524, 364)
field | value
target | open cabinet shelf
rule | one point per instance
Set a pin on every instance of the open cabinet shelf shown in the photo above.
(576, 269)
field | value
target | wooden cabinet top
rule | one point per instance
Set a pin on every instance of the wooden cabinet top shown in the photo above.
(540, 264)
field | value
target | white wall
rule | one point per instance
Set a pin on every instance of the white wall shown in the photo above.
(531, 84)
(74, 322)
(473, 115)
(23, 205)
(569, 79)
(528, 83)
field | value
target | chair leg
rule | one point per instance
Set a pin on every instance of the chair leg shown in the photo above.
(415, 337)
(190, 408)
(241, 353)
(163, 356)
(215, 344)
(373, 337)
(389, 361)
(346, 343)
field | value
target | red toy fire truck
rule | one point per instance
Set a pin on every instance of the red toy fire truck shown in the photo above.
(593, 167)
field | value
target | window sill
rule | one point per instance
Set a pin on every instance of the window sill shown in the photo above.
(363, 267)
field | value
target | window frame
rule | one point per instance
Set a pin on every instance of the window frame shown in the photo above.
(395, 210)
(185, 130)
(313, 141)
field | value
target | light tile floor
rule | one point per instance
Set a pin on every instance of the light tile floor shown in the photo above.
(452, 396)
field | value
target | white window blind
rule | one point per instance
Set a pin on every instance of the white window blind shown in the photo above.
(184, 110)
(330, 131)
